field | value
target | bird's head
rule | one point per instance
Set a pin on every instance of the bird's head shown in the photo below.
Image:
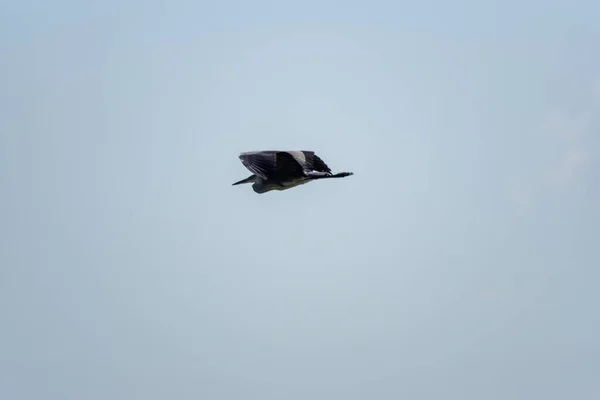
(250, 179)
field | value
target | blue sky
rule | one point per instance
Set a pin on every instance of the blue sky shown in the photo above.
(460, 261)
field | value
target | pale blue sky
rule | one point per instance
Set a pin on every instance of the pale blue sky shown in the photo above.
(461, 261)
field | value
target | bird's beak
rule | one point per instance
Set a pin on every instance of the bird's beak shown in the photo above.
(247, 180)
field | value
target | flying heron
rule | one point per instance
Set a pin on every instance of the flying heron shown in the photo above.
(281, 170)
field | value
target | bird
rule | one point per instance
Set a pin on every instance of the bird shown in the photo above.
(282, 170)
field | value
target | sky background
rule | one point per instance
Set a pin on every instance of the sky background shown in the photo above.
(461, 261)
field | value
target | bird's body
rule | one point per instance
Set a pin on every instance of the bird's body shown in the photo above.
(282, 170)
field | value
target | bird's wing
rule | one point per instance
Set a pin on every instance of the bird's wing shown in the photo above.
(315, 163)
(262, 164)
(288, 166)
(319, 165)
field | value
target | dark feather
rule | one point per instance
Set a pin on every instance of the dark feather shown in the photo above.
(319, 165)
(288, 166)
(260, 163)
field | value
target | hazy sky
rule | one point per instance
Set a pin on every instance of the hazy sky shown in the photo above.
(461, 261)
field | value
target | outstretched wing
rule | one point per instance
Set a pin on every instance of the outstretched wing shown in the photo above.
(319, 165)
(260, 163)
(315, 163)
(273, 164)
(288, 166)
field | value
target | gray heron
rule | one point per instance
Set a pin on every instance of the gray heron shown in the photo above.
(281, 170)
